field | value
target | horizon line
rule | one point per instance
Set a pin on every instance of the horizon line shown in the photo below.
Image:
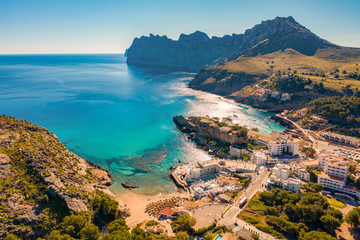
(7, 54)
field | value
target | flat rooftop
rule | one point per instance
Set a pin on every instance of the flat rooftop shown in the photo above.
(325, 175)
(336, 160)
(310, 163)
(292, 180)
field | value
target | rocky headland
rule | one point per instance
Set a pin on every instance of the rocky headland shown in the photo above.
(201, 128)
(40, 180)
(211, 134)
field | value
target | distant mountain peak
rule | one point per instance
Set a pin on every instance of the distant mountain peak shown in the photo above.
(198, 35)
(197, 50)
(289, 19)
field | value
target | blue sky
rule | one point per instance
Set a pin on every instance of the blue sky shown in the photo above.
(109, 26)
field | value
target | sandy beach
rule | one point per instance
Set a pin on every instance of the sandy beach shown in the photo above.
(136, 205)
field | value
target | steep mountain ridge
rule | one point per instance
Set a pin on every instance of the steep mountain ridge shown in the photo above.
(197, 50)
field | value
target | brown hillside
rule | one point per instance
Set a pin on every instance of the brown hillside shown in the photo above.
(323, 63)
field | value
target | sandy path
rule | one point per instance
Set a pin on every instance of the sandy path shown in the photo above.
(136, 204)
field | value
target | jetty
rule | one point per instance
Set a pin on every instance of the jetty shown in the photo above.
(180, 183)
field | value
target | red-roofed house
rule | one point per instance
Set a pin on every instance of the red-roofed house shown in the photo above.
(166, 213)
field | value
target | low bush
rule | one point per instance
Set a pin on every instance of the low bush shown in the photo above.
(250, 219)
(256, 205)
(268, 229)
(151, 223)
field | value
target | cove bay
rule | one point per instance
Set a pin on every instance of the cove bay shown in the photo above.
(115, 116)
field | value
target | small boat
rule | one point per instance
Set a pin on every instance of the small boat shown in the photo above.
(129, 186)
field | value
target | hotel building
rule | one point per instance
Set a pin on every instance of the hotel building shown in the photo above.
(333, 177)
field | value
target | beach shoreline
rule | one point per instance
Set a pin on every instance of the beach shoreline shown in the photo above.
(136, 204)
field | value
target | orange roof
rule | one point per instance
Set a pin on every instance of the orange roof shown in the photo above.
(325, 175)
(167, 212)
(336, 177)
(351, 188)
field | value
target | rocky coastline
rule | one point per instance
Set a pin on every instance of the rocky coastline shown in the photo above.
(38, 174)
(212, 135)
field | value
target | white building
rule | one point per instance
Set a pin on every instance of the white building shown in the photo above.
(281, 171)
(333, 164)
(340, 138)
(275, 94)
(203, 170)
(285, 97)
(284, 147)
(237, 151)
(334, 174)
(292, 184)
(300, 171)
(263, 141)
(259, 157)
(309, 86)
(206, 169)
(331, 181)
(263, 157)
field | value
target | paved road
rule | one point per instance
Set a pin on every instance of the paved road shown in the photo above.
(322, 144)
(305, 132)
(229, 217)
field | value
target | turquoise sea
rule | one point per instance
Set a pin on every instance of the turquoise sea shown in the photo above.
(113, 115)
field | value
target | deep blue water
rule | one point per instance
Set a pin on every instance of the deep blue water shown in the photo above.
(116, 116)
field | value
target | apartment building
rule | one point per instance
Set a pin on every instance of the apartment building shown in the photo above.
(207, 169)
(281, 171)
(292, 184)
(259, 157)
(237, 151)
(335, 170)
(334, 164)
(284, 147)
(300, 171)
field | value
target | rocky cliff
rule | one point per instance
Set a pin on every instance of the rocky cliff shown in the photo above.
(197, 50)
(202, 128)
(40, 180)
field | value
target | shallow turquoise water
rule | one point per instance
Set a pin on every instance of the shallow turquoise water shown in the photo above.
(116, 116)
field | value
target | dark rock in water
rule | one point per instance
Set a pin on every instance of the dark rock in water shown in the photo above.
(129, 186)
(197, 50)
